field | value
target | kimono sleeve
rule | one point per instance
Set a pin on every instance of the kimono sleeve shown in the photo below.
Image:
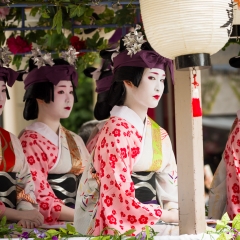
(116, 151)
(166, 177)
(26, 199)
(40, 162)
(232, 160)
(2, 209)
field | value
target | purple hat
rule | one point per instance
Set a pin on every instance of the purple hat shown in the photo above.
(143, 58)
(103, 76)
(52, 74)
(8, 75)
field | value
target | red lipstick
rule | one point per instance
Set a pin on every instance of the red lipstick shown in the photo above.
(0, 106)
(156, 96)
(67, 108)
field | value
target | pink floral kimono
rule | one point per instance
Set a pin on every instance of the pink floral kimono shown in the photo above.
(106, 194)
(17, 186)
(225, 190)
(48, 153)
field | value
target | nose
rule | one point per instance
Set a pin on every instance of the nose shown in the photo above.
(157, 86)
(1, 96)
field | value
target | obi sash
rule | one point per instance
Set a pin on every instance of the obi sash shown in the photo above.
(8, 194)
(144, 181)
(65, 187)
(64, 184)
(145, 186)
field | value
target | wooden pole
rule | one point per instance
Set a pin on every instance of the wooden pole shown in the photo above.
(189, 145)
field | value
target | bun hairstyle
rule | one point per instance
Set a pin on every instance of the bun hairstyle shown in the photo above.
(104, 74)
(43, 90)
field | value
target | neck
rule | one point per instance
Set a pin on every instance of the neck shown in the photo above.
(52, 123)
(140, 110)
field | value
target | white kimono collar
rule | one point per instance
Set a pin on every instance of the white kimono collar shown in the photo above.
(130, 116)
(45, 131)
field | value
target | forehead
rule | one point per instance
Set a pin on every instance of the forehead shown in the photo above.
(65, 83)
(156, 71)
(2, 82)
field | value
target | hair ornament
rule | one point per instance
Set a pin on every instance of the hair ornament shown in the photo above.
(133, 41)
(70, 55)
(41, 60)
(5, 59)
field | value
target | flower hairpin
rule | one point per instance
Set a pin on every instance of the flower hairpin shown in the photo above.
(133, 41)
(41, 60)
(70, 55)
(5, 59)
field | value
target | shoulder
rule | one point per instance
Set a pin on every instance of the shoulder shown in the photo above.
(163, 133)
(76, 137)
(119, 130)
(30, 134)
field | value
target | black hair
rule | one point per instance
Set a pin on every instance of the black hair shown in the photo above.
(117, 93)
(40, 90)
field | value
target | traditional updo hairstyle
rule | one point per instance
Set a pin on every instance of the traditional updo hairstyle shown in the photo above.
(117, 93)
(101, 105)
(40, 90)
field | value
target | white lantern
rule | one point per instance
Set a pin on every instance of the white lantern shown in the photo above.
(180, 27)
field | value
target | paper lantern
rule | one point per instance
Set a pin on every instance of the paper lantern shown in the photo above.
(182, 27)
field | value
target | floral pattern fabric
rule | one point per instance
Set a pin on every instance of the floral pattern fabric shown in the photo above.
(118, 147)
(41, 156)
(232, 160)
(46, 152)
(26, 199)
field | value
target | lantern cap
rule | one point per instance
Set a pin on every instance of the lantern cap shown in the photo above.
(235, 62)
(200, 60)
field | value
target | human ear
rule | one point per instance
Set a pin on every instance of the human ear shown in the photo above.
(127, 83)
(39, 101)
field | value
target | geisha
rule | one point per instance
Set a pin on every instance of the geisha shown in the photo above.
(224, 195)
(131, 150)
(17, 199)
(56, 156)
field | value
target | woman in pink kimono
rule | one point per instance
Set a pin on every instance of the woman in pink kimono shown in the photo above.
(224, 193)
(55, 155)
(17, 199)
(131, 152)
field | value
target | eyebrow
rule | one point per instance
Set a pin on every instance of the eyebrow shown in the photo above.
(64, 86)
(157, 73)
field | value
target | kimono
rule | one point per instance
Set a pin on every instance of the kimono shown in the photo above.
(106, 196)
(224, 193)
(17, 186)
(61, 156)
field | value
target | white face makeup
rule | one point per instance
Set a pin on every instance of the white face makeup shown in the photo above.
(63, 101)
(3, 95)
(150, 89)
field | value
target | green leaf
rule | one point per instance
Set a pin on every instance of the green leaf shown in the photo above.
(236, 222)
(57, 21)
(17, 60)
(34, 11)
(71, 228)
(147, 232)
(45, 15)
(129, 232)
(224, 236)
(52, 232)
(4, 220)
(63, 230)
(225, 218)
